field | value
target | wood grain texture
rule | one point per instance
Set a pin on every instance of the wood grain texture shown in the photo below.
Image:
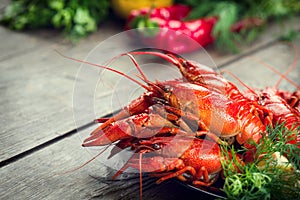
(39, 175)
(36, 88)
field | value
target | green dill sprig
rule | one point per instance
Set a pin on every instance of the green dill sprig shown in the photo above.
(76, 18)
(280, 139)
(251, 184)
(274, 173)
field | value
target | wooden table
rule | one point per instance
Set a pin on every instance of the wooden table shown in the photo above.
(45, 115)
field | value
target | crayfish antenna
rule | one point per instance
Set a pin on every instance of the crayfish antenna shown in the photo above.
(239, 80)
(141, 176)
(87, 162)
(133, 60)
(284, 75)
(168, 57)
(291, 67)
(124, 167)
(104, 67)
(153, 85)
(127, 165)
(137, 65)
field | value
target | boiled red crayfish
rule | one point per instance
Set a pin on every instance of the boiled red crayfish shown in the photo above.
(202, 102)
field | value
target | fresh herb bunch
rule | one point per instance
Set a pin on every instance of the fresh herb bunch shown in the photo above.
(77, 18)
(232, 11)
(266, 177)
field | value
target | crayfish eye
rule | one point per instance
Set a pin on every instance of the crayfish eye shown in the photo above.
(167, 88)
(263, 97)
(156, 146)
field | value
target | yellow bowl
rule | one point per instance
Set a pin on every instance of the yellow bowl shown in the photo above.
(123, 7)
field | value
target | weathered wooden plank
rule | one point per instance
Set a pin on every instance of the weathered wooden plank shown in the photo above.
(40, 91)
(36, 88)
(257, 70)
(28, 96)
(17, 43)
(37, 175)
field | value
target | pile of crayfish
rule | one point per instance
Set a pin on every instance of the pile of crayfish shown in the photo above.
(175, 128)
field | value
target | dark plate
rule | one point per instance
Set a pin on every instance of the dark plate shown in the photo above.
(213, 192)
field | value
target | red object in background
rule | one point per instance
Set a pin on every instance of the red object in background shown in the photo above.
(247, 24)
(170, 31)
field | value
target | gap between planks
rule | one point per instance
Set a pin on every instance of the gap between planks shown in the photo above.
(43, 145)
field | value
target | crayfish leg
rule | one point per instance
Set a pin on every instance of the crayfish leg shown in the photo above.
(206, 184)
(212, 136)
(189, 169)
